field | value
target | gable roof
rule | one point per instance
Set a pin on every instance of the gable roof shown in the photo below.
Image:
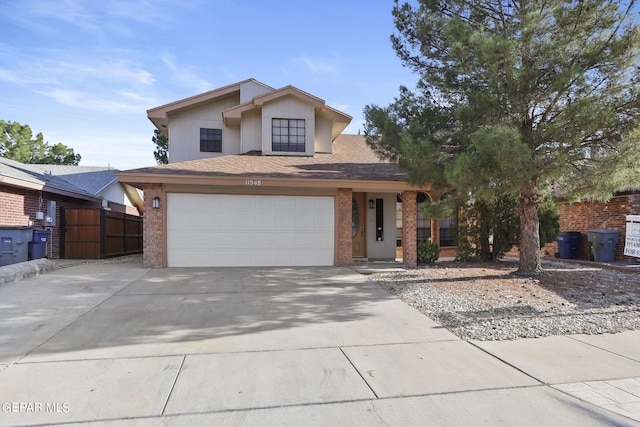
(159, 116)
(351, 164)
(341, 120)
(75, 181)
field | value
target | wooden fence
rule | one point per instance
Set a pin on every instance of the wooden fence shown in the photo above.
(98, 233)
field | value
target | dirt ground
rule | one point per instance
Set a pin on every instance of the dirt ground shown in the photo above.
(584, 285)
(488, 302)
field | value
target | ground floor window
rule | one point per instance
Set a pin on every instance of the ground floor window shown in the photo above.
(423, 221)
(448, 227)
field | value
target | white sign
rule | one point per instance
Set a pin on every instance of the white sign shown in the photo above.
(632, 241)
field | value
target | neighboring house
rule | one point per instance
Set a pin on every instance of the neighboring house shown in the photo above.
(263, 177)
(26, 190)
(584, 216)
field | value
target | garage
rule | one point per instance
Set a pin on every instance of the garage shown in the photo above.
(216, 230)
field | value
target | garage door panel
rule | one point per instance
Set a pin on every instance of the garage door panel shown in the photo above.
(230, 230)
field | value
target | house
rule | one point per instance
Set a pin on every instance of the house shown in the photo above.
(37, 195)
(592, 215)
(264, 177)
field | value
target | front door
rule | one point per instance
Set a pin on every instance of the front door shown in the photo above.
(358, 221)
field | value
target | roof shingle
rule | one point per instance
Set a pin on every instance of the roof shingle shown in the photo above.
(351, 159)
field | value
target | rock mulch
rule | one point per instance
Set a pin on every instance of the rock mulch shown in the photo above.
(488, 302)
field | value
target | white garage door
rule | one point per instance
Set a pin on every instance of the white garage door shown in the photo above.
(213, 230)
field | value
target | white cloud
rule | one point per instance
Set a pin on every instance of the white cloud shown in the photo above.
(81, 80)
(98, 18)
(8, 76)
(186, 75)
(108, 102)
(318, 65)
(339, 107)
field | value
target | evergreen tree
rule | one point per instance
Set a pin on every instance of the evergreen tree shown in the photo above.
(516, 99)
(18, 143)
(162, 147)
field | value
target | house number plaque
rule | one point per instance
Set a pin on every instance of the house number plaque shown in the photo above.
(252, 182)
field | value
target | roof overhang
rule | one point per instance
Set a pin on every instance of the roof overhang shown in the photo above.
(30, 185)
(159, 116)
(232, 116)
(194, 181)
(134, 196)
(20, 183)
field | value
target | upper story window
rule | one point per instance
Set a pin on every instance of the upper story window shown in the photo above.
(288, 135)
(211, 140)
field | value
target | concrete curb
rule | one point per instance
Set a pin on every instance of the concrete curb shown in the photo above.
(23, 270)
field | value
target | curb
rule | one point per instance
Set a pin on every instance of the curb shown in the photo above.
(23, 270)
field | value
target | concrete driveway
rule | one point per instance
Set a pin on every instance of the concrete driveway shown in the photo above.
(123, 345)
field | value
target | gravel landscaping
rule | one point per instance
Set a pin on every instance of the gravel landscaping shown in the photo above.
(488, 302)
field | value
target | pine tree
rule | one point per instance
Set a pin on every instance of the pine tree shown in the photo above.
(516, 98)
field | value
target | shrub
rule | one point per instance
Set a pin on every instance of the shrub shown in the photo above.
(428, 251)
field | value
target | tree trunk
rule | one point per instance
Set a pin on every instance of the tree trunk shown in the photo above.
(529, 264)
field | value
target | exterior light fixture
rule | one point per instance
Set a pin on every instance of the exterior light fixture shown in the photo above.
(372, 204)
(155, 202)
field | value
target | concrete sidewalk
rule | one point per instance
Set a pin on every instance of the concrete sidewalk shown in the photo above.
(117, 344)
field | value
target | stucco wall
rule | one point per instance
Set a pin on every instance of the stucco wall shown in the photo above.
(288, 108)
(184, 131)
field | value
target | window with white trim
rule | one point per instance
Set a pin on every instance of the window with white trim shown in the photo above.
(288, 135)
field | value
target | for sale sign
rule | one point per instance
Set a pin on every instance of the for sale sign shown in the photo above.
(632, 241)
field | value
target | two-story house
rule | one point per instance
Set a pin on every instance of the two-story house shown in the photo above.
(264, 177)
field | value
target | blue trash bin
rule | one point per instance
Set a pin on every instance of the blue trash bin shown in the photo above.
(569, 244)
(38, 246)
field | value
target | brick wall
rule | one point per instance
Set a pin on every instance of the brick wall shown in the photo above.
(409, 224)
(153, 226)
(343, 227)
(585, 216)
(18, 207)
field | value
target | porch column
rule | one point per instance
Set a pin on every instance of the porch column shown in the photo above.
(153, 227)
(409, 229)
(344, 241)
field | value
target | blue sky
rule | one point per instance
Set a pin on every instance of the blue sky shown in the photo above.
(84, 72)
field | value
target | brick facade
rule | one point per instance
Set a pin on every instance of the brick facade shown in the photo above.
(18, 207)
(343, 227)
(154, 229)
(586, 216)
(154, 240)
(409, 224)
